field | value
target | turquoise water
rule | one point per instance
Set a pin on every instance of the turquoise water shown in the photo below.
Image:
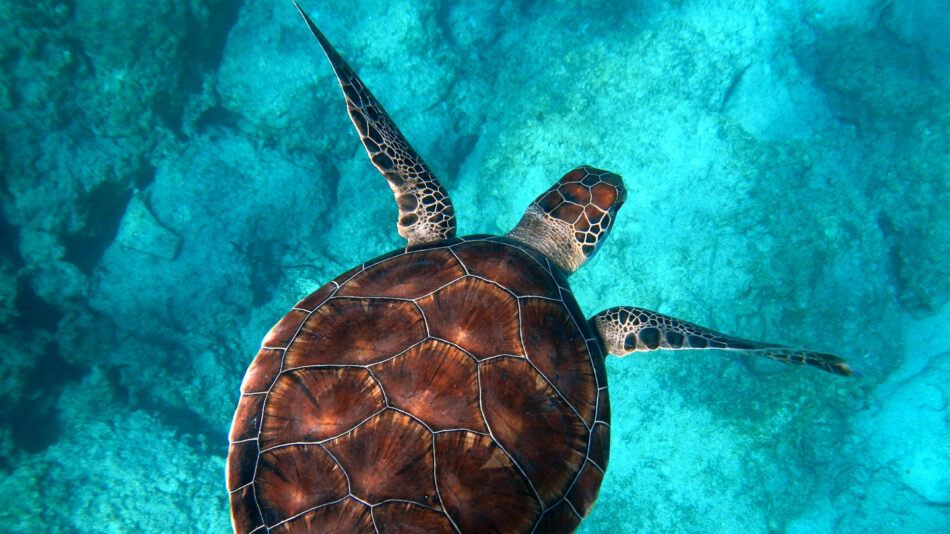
(176, 175)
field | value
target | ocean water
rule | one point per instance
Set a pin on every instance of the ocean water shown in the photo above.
(175, 175)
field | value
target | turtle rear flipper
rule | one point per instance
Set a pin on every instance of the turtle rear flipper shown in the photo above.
(625, 329)
(425, 210)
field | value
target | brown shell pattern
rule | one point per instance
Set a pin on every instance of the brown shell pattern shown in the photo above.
(453, 387)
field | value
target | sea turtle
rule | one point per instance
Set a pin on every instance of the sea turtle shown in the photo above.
(452, 385)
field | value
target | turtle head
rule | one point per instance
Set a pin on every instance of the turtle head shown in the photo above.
(569, 221)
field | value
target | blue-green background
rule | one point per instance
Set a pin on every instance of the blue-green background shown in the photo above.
(175, 174)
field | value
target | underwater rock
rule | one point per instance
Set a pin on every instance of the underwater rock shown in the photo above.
(247, 220)
(52, 278)
(923, 23)
(910, 433)
(141, 231)
(906, 430)
(880, 83)
(775, 102)
(269, 110)
(8, 294)
(115, 470)
(76, 115)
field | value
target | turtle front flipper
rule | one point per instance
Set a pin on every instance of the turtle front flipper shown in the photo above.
(625, 329)
(425, 210)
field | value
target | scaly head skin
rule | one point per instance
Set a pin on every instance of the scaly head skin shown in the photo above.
(569, 221)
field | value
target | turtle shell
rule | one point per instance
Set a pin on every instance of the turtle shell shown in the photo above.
(453, 387)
